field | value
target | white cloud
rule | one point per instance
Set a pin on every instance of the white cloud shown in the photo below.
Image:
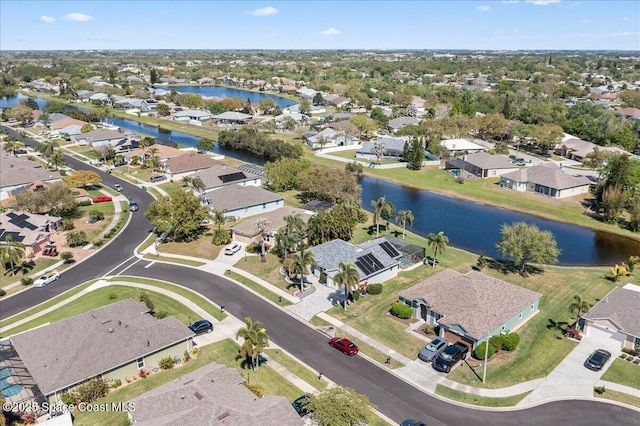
(626, 18)
(625, 33)
(584, 21)
(542, 2)
(483, 8)
(510, 1)
(44, 18)
(79, 17)
(331, 32)
(265, 11)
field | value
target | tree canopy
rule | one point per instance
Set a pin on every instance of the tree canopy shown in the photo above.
(82, 178)
(179, 214)
(525, 243)
(340, 406)
(328, 184)
(283, 174)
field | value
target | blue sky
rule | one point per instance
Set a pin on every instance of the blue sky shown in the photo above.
(507, 24)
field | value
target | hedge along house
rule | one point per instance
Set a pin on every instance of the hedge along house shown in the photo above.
(112, 342)
(376, 260)
(469, 307)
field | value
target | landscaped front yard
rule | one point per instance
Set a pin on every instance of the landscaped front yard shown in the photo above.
(268, 271)
(623, 372)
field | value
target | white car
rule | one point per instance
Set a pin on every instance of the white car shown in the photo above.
(232, 249)
(46, 279)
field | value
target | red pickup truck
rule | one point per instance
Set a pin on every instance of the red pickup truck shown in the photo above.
(103, 199)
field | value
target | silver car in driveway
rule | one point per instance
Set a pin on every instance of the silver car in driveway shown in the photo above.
(433, 349)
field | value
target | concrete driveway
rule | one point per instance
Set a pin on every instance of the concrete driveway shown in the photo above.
(571, 378)
(422, 374)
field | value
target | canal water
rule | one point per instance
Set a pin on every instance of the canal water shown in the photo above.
(471, 226)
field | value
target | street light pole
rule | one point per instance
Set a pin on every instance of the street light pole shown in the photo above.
(486, 356)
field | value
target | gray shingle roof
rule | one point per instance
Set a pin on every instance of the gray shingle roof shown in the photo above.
(234, 197)
(622, 307)
(329, 255)
(100, 135)
(17, 171)
(390, 144)
(400, 122)
(488, 161)
(548, 175)
(211, 395)
(477, 302)
(232, 115)
(69, 351)
(211, 176)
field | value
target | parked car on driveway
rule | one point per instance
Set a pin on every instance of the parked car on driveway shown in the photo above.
(46, 279)
(202, 326)
(232, 249)
(345, 346)
(433, 349)
(450, 357)
(597, 360)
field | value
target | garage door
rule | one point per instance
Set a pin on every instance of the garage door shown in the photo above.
(605, 335)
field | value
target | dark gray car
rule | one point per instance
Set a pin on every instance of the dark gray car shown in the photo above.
(433, 349)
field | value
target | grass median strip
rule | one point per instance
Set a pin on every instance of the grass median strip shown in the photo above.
(211, 308)
(620, 397)
(173, 260)
(39, 308)
(370, 351)
(481, 401)
(108, 295)
(258, 288)
(296, 368)
(223, 352)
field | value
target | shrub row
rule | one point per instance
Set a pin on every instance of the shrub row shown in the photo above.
(507, 342)
(401, 310)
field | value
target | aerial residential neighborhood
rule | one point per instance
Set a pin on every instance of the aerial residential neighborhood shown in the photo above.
(318, 234)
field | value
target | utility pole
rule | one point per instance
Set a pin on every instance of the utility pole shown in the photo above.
(486, 356)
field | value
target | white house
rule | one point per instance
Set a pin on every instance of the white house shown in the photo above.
(100, 137)
(456, 146)
(546, 179)
(243, 201)
(191, 114)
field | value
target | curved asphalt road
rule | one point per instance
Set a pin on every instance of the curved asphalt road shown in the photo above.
(394, 397)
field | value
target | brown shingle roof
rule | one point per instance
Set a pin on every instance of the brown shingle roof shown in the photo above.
(17, 171)
(275, 219)
(236, 197)
(487, 161)
(164, 152)
(65, 122)
(211, 176)
(622, 307)
(476, 302)
(211, 395)
(190, 162)
(547, 175)
(69, 351)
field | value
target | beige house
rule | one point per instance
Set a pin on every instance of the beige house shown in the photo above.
(577, 149)
(30, 230)
(546, 179)
(183, 165)
(112, 342)
(18, 174)
(616, 316)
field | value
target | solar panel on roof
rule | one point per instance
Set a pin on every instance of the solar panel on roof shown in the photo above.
(391, 250)
(232, 177)
(369, 264)
(15, 236)
(11, 215)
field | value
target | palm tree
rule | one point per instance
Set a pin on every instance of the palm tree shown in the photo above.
(10, 146)
(145, 143)
(632, 263)
(579, 306)
(295, 229)
(301, 262)
(47, 148)
(404, 217)
(11, 252)
(56, 159)
(194, 182)
(439, 243)
(218, 217)
(349, 278)
(255, 340)
(262, 225)
(618, 271)
(381, 207)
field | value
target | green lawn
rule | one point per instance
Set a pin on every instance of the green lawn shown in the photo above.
(211, 308)
(171, 187)
(107, 295)
(296, 368)
(177, 260)
(482, 401)
(623, 372)
(620, 397)
(258, 288)
(268, 271)
(51, 302)
(223, 352)
(40, 264)
(86, 151)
